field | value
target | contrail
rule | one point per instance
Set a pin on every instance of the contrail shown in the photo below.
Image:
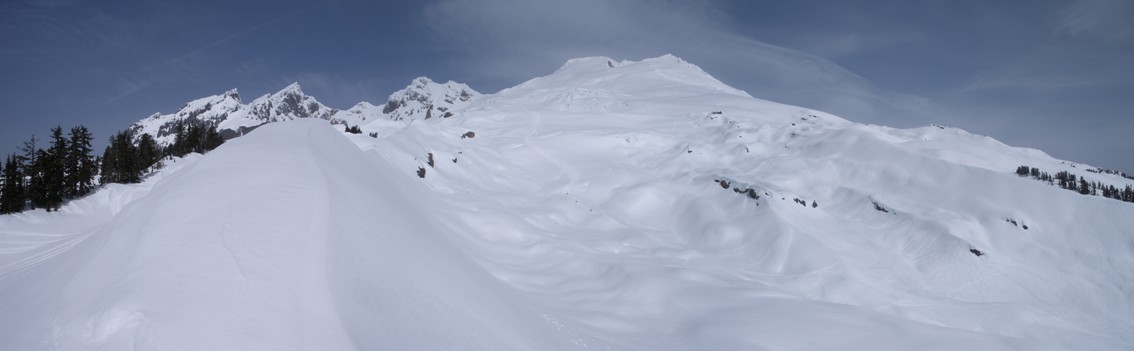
(246, 31)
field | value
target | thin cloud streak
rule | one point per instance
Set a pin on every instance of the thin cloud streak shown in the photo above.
(244, 32)
(1108, 20)
(551, 32)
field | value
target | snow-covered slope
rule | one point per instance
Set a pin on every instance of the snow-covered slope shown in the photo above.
(361, 113)
(611, 205)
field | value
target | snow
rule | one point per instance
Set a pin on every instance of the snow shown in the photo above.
(358, 114)
(424, 99)
(586, 213)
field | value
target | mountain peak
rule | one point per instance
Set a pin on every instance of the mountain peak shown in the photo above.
(599, 80)
(290, 89)
(592, 61)
(232, 93)
(424, 99)
(422, 81)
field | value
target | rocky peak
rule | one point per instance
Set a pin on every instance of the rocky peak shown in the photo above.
(233, 94)
(287, 104)
(425, 99)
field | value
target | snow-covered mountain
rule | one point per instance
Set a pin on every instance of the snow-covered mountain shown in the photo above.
(234, 118)
(422, 99)
(611, 205)
(285, 105)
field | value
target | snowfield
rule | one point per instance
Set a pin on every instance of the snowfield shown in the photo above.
(608, 205)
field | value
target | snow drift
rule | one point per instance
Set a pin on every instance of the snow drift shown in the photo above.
(612, 205)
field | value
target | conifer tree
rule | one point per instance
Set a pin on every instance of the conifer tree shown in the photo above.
(13, 197)
(212, 139)
(129, 167)
(1022, 170)
(80, 163)
(120, 162)
(177, 149)
(106, 165)
(55, 171)
(37, 189)
(148, 152)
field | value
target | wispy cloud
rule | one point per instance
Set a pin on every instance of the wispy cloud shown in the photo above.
(245, 31)
(529, 38)
(1004, 85)
(1108, 20)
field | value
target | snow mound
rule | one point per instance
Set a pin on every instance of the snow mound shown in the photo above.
(290, 246)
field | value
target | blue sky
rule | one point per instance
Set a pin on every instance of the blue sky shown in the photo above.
(1054, 75)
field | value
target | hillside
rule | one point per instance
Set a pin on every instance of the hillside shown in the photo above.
(612, 205)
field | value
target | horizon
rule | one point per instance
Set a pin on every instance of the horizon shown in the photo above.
(1048, 75)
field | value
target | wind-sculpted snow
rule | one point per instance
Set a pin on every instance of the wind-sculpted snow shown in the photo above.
(610, 205)
(277, 241)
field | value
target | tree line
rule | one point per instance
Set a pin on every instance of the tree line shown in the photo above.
(1069, 181)
(44, 176)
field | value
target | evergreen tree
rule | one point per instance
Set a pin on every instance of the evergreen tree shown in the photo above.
(106, 165)
(37, 188)
(177, 149)
(13, 197)
(1084, 187)
(120, 163)
(1022, 170)
(194, 136)
(148, 152)
(27, 160)
(213, 139)
(80, 163)
(55, 171)
(29, 149)
(128, 166)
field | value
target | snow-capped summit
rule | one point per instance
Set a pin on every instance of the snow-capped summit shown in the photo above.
(234, 118)
(651, 74)
(422, 99)
(593, 84)
(287, 104)
(425, 99)
(233, 93)
(212, 109)
(358, 114)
